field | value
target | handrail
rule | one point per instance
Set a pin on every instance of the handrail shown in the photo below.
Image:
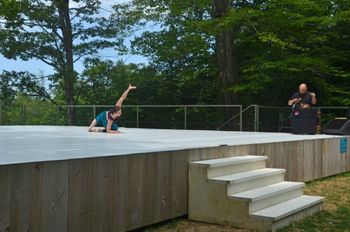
(133, 106)
(235, 116)
(137, 107)
(185, 108)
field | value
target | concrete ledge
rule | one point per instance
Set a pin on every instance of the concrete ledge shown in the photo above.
(229, 161)
(247, 176)
(282, 210)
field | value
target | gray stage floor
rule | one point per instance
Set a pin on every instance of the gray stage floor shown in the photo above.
(24, 144)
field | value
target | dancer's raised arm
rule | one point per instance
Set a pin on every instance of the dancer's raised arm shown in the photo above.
(125, 94)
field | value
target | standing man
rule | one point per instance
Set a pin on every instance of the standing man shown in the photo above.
(303, 119)
(302, 99)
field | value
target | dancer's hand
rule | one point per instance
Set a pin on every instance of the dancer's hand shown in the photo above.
(114, 132)
(131, 87)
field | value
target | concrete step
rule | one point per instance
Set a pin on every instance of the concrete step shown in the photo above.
(241, 191)
(266, 196)
(231, 165)
(243, 181)
(288, 208)
(230, 160)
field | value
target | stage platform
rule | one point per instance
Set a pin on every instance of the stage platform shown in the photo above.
(25, 144)
(66, 179)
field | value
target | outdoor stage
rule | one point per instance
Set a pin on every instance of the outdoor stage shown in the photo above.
(66, 179)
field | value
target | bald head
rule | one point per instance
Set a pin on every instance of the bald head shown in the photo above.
(302, 88)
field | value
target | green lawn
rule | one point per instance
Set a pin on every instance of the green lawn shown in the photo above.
(335, 217)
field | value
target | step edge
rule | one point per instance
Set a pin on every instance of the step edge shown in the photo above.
(238, 162)
(276, 171)
(320, 200)
(255, 159)
(269, 195)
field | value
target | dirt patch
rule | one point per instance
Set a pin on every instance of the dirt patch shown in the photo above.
(336, 190)
(185, 225)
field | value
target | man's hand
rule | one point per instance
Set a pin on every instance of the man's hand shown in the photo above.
(313, 101)
(297, 100)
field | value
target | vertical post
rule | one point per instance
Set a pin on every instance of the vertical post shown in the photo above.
(240, 118)
(0, 113)
(137, 117)
(185, 117)
(256, 129)
(279, 119)
(57, 115)
(94, 107)
(23, 115)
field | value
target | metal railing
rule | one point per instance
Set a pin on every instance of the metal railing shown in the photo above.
(272, 118)
(235, 116)
(219, 117)
(27, 115)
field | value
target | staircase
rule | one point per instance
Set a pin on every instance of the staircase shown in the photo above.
(240, 191)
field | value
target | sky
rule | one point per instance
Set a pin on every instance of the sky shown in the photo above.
(38, 67)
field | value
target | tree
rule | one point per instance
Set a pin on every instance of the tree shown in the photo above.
(284, 43)
(225, 50)
(58, 34)
(256, 47)
(177, 45)
(7, 94)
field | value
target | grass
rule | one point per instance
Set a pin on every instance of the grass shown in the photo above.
(335, 217)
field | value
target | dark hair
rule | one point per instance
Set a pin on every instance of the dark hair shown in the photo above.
(113, 110)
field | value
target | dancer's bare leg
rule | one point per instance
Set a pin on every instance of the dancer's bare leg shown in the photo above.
(93, 124)
(93, 128)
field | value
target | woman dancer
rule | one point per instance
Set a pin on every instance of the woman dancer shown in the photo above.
(108, 119)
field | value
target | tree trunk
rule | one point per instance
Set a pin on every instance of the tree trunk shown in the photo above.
(225, 54)
(68, 73)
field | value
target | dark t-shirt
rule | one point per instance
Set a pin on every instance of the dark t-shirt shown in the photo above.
(305, 99)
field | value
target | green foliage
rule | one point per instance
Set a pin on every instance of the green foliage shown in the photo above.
(26, 110)
(34, 29)
(35, 32)
(276, 42)
(24, 82)
(277, 45)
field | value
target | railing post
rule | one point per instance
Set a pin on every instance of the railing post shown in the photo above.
(22, 114)
(25, 114)
(57, 115)
(256, 126)
(279, 119)
(240, 118)
(185, 117)
(0, 113)
(137, 117)
(94, 107)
